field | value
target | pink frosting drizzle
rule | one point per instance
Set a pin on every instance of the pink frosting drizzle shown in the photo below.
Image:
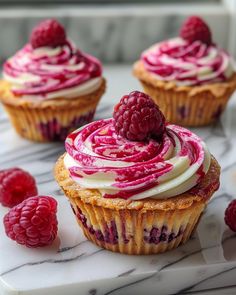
(68, 68)
(134, 166)
(193, 63)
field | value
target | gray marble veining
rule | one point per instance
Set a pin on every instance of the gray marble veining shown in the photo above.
(73, 265)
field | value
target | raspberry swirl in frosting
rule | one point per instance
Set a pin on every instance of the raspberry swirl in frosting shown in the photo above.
(47, 72)
(187, 63)
(98, 158)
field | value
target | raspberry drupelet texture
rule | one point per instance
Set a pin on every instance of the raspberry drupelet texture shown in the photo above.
(194, 28)
(48, 33)
(230, 215)
(33, 223)
(16, 185)
(137, 117)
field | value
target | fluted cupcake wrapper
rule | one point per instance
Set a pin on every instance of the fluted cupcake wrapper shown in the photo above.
(145, 226)
(51, 120)
(47, 125)
(184, 105)
(131, 232)
(182, 109)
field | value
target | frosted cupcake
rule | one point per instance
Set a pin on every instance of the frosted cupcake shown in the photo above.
(50, 87)
(136, 184)
(189, 77)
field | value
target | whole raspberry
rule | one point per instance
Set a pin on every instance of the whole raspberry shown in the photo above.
(32, 223)
(16, 185)
(137, 117)
(194, 28)
(48, 33)
(230, 215)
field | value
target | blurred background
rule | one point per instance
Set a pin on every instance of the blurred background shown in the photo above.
(115, 31)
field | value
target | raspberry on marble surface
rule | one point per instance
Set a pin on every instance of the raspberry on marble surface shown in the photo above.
(230, 215)
(33, 222)
(16, 185)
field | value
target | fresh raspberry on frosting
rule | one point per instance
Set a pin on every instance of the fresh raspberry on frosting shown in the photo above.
(230, 215)
(194, 28)
(137, 117)
(48, 33)
(32, 223)
(16, 185)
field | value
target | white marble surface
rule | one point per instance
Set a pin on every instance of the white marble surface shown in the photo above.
(73, 265)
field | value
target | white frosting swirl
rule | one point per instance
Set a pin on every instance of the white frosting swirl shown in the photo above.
(48, 73)
(98, 158)
(187, 63)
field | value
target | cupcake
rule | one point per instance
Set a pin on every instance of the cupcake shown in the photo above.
(189, 77)
(136, 184)
(50, 87)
